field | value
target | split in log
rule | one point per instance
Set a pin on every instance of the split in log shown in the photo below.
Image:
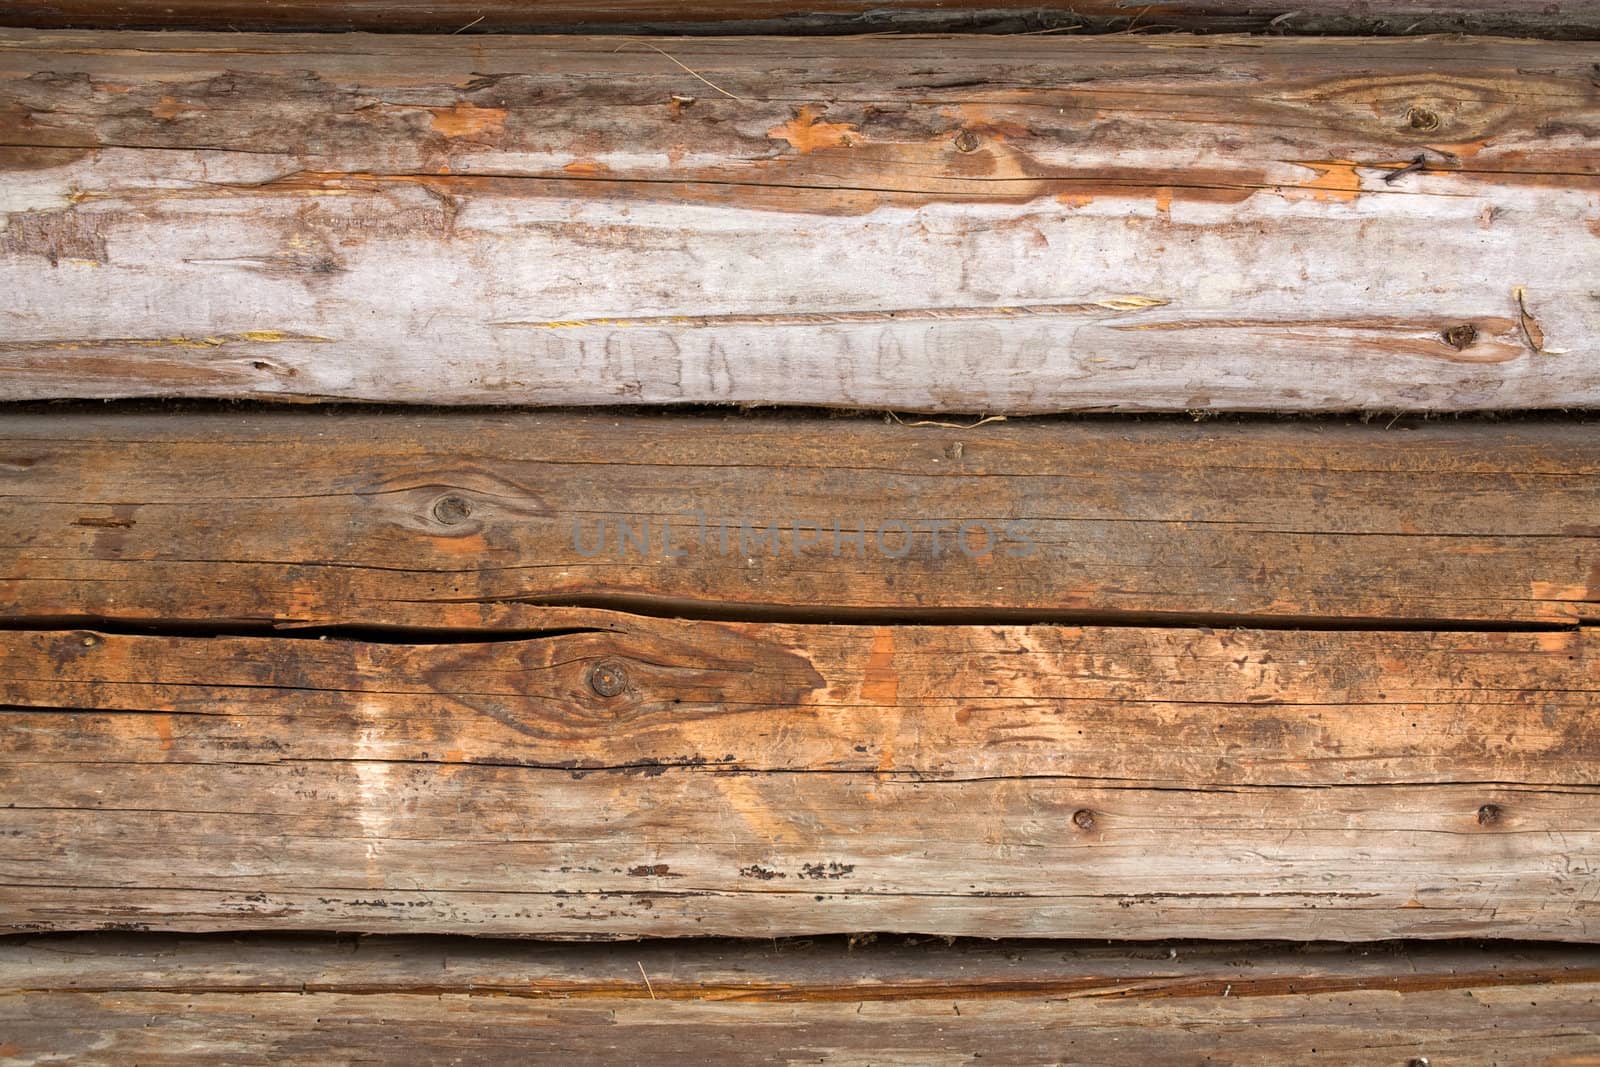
(161, 1000)
(963, 224)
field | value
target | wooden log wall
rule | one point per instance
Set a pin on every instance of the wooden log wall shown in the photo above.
(964, 223)
(558, 675)
(523, 717)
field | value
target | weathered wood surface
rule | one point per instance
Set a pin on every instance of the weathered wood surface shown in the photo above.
(449, 522)
(620, 776)
(352, 671)
(1158, 708)
(1519, 17)
(163, 1000)
(1022, 224)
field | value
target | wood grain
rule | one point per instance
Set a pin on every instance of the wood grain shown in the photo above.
(963, 224)
(450, 522)
(1160, 708)
(628, 777)
(1519, 17)
(253, 1000)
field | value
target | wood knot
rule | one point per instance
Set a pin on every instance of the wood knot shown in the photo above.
(1489, 814)
(1083, 819)
(1460, 337)
(608, 678)
(1420, 118)
(967, 141)
(452, 510)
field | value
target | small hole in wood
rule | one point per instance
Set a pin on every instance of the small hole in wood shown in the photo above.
(1460, 337)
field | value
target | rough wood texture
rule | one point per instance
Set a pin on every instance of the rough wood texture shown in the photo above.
(354, 671)
(1164, 708)
(448, 522)
(1523, 17)
(1024, 224)
(162, 1000)
(620, 776)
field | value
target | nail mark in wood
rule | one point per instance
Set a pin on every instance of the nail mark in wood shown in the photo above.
(608, 678)
(1417, 163)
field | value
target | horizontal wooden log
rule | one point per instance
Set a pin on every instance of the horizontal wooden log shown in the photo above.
(962, 224)
(1162, 708)
(96, 1000)
(450, 522)
(1521, 17)
(1389, 705)
(625, 777)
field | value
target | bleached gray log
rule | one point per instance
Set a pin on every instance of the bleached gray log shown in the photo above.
(972, 224)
